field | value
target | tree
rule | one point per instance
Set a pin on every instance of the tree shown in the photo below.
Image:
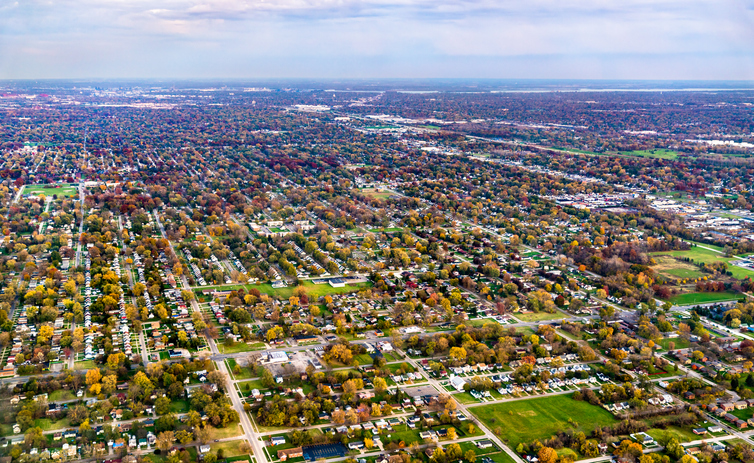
(453, 452)
(193, 418)
(202, 434)
(547, 455)
(108, 384)
(93, 376)
(162, 406)
(184, 437)
(380, 385)
(470, 456)
(165, 440)
(457, 353)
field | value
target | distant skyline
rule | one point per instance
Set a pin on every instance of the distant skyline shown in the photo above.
(261, 39)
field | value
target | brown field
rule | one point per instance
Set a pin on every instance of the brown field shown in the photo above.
(672, 268)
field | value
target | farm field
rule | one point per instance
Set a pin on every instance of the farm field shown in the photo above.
(703, 298)
(526, 420)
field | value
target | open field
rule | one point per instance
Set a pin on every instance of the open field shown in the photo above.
(246, 372)
(527, 420)
(230, 448)
(239, 347)
(64, 190)
(652, 153)
(703, 298)
(231, 430)
(674, 268)
(312, 290)
(680, 343)
(376, 193)
(538, 316)
(701, 255)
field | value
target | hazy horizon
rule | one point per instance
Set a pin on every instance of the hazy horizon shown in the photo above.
(326, 39)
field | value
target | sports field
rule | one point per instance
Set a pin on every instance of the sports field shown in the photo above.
(526, 420)
(65, 190)
(376, 193)
(703, 298)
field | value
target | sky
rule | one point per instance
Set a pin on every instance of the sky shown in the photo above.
(504, 39)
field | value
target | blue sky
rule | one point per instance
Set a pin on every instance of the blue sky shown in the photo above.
(586, 39)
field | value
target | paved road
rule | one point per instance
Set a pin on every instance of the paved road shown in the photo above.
(232, 393)
(82, 195)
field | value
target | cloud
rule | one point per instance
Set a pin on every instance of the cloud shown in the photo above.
(401, 38)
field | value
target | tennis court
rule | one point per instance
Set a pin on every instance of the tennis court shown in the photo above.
(315, 452)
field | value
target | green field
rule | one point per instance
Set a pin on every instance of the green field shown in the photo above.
(65, 190)
(385, 230)
(538, 316)
(680, 343)
(527, 420)
(703, 298)
(312, 290)
(376, 193)
(84, 365)
(239, 347)
(246, 372)
(652, 153)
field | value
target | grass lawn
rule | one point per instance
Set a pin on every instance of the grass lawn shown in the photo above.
(179, 406)
(312, 290)
(221, 433)
(230, 448)
(744, 414)
(501, 457)
(60, 394)
(702, 298)
(385, 230)
(152, 458)
(84, 365)
(652, 153)
(538, 316)
(246, 372)
(47, 424)
(236, 347)
(680, 343)
(683, 435)
(527, 420)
